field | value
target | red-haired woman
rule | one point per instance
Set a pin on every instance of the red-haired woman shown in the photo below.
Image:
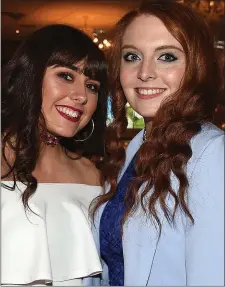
(161, 219)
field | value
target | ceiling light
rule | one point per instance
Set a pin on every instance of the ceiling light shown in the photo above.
(212, 9)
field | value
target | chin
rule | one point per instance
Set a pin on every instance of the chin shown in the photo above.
(63, 133)
(68, 134)
(146, 114)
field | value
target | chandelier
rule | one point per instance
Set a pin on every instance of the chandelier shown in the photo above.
(99, 37)
(209, 8)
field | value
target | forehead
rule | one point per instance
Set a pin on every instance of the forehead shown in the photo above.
(148, 30)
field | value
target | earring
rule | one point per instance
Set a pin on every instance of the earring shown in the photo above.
(93, 127)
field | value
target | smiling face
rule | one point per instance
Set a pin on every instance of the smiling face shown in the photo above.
(69, 99)
(152, 64)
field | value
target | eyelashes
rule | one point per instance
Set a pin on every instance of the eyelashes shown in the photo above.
(131, 57)
(168, 57)
(93, 88)
(165, 57)
(66, 76)
(69, 77)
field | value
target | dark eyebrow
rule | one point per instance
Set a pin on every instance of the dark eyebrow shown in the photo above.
(157, 49)
(76, 69)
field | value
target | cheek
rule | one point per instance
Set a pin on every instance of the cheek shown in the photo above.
(93, 101)
(51, 92)
(174, 77)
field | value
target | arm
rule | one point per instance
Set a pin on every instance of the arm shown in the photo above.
(205, 239)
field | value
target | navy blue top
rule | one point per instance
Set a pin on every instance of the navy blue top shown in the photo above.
(110, 230)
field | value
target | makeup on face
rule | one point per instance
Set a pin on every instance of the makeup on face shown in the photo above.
(152, 64)
(70, 113)
(69, 99)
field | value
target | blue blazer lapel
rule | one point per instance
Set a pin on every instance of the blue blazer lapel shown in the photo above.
(140, 238)
(130, 152)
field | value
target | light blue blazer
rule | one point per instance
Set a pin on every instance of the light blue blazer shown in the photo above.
(185, 255)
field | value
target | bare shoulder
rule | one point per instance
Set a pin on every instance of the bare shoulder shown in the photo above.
(90, 169)
(87, 162)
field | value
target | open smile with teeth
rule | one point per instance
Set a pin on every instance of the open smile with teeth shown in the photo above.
(145, 91)
(69, 112)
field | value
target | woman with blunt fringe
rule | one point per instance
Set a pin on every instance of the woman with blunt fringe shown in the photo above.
(160, 221)
(53, 113)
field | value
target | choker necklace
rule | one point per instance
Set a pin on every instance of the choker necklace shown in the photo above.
(144, 135)
(49, 139)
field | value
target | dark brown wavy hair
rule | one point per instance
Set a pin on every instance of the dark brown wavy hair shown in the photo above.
(22, 79)
(179, 119)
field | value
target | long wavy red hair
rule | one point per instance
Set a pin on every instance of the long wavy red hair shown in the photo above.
(179, 119)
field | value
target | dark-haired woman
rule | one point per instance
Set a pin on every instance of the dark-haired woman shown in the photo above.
(53, 96)
(161, 219)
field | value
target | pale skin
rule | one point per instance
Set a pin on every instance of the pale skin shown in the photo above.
(152, 65)
(54, 166)
(65, 87)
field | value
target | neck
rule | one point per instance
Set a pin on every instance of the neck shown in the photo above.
(49, 159)
(50, 154)
(48, 138)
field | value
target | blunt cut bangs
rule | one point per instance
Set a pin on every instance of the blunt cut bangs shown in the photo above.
(76, 49)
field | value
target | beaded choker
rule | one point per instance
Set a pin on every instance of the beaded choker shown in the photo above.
(49, 139)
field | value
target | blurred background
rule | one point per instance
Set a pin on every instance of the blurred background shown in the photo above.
(96, 18)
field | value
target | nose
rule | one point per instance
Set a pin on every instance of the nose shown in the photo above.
(147, 71)
(78, 94)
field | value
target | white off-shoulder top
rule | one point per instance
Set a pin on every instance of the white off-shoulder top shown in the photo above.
(56, 245)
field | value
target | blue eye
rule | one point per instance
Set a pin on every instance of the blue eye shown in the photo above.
(131, 57)
(66, 76)
(167, 57)
(93, 88)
